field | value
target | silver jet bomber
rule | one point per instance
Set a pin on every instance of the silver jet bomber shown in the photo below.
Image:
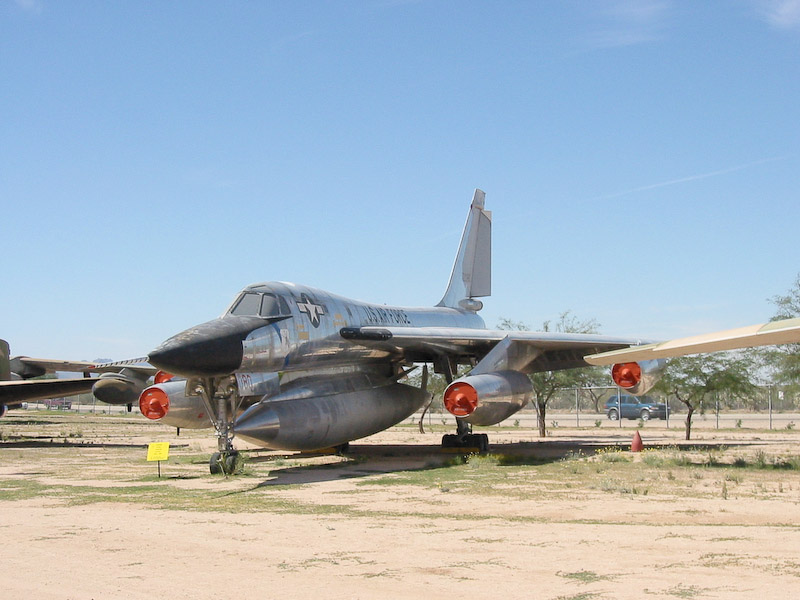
(298, 368)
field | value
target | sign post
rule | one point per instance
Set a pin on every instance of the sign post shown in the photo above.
(158, 451)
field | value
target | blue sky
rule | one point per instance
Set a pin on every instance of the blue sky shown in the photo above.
(641, 159)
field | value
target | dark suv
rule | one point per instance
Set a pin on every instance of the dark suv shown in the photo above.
(635, 408)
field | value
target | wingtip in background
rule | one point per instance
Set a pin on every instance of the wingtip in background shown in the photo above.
(786, 331)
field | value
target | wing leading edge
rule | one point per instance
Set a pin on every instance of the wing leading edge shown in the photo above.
(524, 351)
(786, 331)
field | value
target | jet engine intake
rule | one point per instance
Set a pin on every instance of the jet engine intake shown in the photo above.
(638, 378)
(488, 398)
(168, 403)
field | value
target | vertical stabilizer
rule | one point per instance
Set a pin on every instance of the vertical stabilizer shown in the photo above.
(5, 362)
(472, 272)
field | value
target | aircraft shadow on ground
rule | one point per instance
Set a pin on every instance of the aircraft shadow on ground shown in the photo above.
(369, 460)
(51, 441)
(55, 442)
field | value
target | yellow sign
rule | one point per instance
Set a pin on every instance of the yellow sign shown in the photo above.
(158, 451)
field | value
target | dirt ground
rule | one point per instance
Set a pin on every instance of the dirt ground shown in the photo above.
(575, 516)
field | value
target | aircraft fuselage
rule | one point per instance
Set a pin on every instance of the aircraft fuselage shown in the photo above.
(283, 327)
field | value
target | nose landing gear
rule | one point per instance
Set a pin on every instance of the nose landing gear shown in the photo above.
(227, 460)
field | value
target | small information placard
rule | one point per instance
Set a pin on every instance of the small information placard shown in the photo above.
(158, 451)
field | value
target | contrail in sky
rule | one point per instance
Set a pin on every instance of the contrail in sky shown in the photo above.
(642, 188)
(661, 184)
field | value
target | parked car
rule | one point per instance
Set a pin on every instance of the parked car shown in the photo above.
(57, 403)
(632, 407)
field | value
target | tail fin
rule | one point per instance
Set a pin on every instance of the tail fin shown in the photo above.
(472, 271)
(5, 364)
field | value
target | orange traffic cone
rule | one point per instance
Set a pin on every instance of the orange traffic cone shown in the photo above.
(636, 444)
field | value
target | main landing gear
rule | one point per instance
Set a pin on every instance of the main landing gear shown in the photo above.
(465, 439)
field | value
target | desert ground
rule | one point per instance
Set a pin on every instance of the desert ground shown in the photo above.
(574, 516)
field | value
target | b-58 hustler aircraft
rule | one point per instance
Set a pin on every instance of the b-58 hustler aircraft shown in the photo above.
(297, 368)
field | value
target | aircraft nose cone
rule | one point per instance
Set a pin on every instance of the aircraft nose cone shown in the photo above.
(208, 350)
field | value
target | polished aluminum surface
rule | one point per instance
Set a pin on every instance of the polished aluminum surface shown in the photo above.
(315, 339)
(651, 373)
(184, 410)
(500, 395)
(326, 413)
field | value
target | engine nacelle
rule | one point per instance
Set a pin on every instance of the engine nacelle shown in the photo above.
(638, 378)
(120, 388)
(488, 398)
(168, 403)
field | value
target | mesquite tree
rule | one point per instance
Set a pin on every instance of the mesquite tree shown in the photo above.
(692, 378)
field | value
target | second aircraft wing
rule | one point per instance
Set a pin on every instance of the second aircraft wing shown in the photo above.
(13, 393)
(786, 331)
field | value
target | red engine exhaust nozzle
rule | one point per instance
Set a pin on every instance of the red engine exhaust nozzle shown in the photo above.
(154, 403)
(460, 399)
(626, 375)
(163, 376)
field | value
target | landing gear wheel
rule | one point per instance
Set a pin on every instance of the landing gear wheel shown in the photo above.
(224, 463)
(479, 441)
(450, 440)
(342, 448)
(215, 463)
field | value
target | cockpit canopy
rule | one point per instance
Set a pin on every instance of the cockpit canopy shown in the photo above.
(260, 304)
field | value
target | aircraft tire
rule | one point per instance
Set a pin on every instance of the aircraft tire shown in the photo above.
(449, 440)
(479, 441)
(215, 464)
(231, 462)
(224, 463)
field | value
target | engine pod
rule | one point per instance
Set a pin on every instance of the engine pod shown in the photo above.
(638, 378)
(168, 403)
(489, 398)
